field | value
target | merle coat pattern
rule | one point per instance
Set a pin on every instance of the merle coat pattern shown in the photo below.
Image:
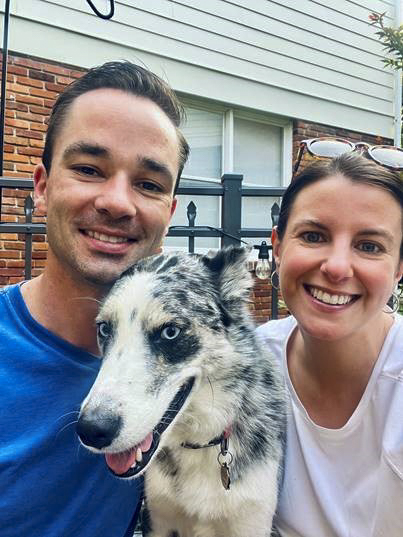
(182, 364)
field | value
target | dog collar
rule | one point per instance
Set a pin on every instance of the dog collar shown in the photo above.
(224, 457)
(214, 442)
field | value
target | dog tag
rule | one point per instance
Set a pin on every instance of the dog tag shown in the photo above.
(225, 477)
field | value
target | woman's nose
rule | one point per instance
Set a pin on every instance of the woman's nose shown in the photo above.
(338, 263)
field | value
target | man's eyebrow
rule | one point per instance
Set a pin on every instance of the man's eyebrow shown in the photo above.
(84, 148)
(155, 166)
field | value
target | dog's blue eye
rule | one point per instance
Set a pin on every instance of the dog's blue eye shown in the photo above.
(170, 332)
(103, 329)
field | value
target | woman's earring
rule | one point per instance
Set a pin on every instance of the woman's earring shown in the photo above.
(274, 280)
(394, 302)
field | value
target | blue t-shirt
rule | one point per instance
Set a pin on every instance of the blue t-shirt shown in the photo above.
(50, 486)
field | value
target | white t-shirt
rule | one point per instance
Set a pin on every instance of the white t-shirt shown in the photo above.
(345, 482)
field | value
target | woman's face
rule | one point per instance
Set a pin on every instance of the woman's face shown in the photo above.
(338, 261)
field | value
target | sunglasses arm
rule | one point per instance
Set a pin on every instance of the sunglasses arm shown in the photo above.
(299, 157)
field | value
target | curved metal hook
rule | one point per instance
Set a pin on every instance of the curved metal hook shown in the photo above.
(95, 10)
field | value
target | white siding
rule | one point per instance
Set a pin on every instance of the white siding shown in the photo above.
(317, 60)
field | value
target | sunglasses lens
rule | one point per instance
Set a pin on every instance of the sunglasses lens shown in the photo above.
(329, 148)
(391, 157)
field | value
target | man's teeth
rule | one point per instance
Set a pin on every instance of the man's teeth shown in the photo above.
(105, 238)
(328, 298)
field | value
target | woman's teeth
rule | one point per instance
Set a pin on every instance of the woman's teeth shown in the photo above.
(328, 298)
(106, 238)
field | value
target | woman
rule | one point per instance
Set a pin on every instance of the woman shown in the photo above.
(338, 250)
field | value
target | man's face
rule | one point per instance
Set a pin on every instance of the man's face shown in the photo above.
(109, 193)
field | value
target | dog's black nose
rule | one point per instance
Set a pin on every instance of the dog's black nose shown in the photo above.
(97, 429)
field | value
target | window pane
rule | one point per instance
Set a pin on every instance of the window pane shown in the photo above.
(203, 131)
(257, 152)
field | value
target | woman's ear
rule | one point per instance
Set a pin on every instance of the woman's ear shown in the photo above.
(275, 241)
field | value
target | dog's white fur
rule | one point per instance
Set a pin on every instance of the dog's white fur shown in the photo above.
(139, 378)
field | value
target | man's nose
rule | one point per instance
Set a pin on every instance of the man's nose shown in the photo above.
(116, 198)
(338, 263)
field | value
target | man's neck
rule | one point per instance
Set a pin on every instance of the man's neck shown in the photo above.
(65, 308)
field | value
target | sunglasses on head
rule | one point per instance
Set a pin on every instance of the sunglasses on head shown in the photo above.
(386, 155)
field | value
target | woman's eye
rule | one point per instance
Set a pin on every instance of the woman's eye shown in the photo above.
(170, 332)
(103, 330)
(369, 248)
(312, 236)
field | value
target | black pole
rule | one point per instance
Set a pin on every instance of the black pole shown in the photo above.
(3, 89)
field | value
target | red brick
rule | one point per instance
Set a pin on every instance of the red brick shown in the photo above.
(17, 70)
(30, 100)
(12, 105)
(29, 134)
(18, 88)
(17, 123)
(25, 168)
(39, 110)
(30, 82)
(32, 151)
(42, 93)
(40, 75)
(29, 116)
(14, 264)
(38, 126)
(13, 157)
(27, 62)
(36, 143)
(58, 88)
(14, 245)
(10, 254)
(57, 70)
(64, 80)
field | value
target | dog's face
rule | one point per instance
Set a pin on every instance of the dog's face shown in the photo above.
(163, 334)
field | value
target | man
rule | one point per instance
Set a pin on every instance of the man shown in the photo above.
(112, 159)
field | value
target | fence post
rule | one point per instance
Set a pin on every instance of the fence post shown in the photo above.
(28, 208)
(275, 211)
(231, 206)
(191, 214)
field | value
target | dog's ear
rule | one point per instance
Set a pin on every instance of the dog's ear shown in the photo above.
(230, 274)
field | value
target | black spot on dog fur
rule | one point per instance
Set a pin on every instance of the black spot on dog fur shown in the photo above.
(172, 262)
(166, 462)
(174, 350)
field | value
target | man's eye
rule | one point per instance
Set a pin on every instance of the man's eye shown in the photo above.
(369, 248)
(148, 185)
(312, 236)
(86, 170)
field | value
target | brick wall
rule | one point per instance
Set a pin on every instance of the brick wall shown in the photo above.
(32, 87)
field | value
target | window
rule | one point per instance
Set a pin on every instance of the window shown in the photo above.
(226, 140)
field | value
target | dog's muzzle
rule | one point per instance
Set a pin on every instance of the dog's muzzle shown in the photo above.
(97, 429)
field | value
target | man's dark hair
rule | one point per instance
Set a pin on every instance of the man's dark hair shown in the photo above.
(125, 76)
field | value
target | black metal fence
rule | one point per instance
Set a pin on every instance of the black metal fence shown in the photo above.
(231, 232)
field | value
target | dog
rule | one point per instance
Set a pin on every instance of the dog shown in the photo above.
(187, 391)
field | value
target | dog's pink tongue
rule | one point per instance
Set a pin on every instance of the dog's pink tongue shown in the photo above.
(120, 463)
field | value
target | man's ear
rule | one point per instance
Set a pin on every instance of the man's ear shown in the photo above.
(40, 189)
(173, 206)
(275, 241)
